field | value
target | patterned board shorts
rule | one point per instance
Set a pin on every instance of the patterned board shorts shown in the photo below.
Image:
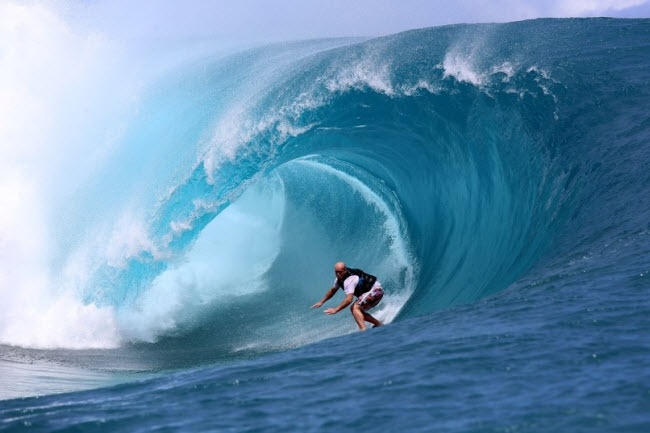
(371, 298)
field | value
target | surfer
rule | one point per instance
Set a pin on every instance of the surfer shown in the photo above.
(355, 282)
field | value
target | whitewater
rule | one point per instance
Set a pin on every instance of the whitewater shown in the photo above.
(164, 234)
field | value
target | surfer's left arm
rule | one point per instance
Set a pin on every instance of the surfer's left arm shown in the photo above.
(347, 301)
(331, 292)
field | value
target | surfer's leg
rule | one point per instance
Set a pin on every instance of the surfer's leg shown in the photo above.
(368, 318)
(370, 300)
(358, 314)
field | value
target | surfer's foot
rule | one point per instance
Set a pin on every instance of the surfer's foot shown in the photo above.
(378, 325)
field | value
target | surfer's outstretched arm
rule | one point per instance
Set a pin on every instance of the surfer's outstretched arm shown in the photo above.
(347, 301)
(331, 292)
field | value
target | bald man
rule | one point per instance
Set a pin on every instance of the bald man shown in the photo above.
(355, 282)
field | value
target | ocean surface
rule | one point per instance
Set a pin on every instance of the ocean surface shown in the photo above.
(495, 177)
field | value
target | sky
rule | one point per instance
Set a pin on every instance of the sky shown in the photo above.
(270, 21)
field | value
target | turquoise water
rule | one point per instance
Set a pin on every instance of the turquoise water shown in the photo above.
(494, 177)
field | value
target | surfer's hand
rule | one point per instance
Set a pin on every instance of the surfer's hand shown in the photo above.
(331, 311)
(316, 305)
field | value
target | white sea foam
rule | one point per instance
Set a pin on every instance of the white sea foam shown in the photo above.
(506, 68)
(461, 67)
(420, 85)
(539, 71)
(129, 239)
(48, 109)
(58, 322)
(374, 75)
(180, 226)
(33, 314)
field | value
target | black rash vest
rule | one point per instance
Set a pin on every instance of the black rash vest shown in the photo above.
(366, 281)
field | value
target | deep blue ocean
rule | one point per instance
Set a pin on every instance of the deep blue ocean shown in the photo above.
(495, 177)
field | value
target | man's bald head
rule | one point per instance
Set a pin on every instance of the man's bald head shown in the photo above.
(340, 270)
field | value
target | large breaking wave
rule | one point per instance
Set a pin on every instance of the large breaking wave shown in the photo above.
(446, 161)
